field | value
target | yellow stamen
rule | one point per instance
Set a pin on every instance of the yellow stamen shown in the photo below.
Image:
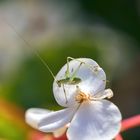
(81, 97)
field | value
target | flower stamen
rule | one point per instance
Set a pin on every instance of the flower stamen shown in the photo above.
(81, 97)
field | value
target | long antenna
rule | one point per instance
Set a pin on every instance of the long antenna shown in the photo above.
(30, 46)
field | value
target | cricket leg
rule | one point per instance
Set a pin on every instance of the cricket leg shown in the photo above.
(71, 58)
(75, 72)
(65, 93)
(94, 69)
(67, 73)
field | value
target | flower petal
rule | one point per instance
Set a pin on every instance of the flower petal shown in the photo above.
(92, 80)
(98, 120)
(56, 120)
(34, 115)
(108, 93)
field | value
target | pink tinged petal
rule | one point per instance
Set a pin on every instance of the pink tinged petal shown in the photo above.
(98, 120)
(93, 80)
(56, 120)
(60, 132)
(34, 115)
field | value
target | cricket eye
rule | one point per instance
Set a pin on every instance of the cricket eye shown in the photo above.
(58, 83)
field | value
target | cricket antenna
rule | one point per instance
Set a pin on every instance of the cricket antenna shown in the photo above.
(30, 46)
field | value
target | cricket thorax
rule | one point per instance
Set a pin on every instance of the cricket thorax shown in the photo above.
(69, 81)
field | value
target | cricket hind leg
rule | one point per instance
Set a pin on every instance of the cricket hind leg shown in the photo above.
(74, 73)
(65, 93)
(67, 73)
(94, 69)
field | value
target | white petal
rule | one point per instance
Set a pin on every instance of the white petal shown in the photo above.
(92, 81)
(98, 120)
(55, 120)
(108, 93)
(34, 115)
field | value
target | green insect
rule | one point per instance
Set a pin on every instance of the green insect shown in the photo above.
(70, 79)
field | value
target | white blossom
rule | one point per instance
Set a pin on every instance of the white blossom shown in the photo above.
(80, 87)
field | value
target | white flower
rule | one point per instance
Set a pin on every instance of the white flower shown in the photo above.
(82, 91)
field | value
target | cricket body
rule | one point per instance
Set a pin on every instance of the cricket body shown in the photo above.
(69, 81)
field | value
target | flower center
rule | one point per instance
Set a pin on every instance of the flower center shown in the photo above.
(81, 97)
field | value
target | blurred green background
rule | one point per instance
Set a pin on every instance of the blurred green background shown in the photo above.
(106, 31)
